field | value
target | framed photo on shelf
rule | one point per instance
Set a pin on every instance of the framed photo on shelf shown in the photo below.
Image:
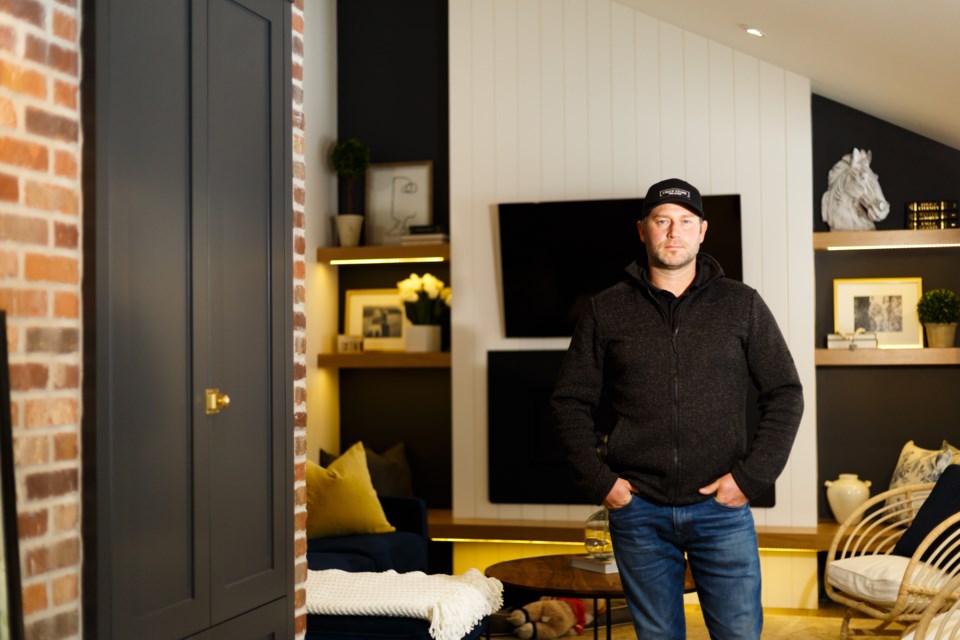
(887, 306)
(377, 315)
(399, 194)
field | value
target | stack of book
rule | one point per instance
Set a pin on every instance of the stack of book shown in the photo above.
(931, 214)
(862, 340)
(592, 564)
(425, 234)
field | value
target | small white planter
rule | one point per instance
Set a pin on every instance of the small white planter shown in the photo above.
(348, 229)
(421, 338)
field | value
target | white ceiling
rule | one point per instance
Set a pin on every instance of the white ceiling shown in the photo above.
(897, 60)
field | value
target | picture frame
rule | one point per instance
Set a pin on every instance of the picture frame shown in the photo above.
(399, 194)
(378, 316)
(887, 306)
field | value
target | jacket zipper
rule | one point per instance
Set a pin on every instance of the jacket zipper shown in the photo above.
(676, 415)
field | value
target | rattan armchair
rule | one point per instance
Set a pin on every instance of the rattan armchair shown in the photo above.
(941, 619)
(891, 591)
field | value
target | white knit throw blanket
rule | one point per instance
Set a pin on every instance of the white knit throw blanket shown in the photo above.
(453, 604)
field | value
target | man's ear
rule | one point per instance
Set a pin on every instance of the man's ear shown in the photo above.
(703, 229)
(643, 237)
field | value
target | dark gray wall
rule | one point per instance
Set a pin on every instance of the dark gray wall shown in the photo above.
(866, 414)
(392, 85)
(392, 95)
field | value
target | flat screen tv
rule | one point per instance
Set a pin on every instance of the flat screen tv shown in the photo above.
(526, 463)
(555, 255)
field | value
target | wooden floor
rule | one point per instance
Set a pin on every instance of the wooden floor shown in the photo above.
(786, 624)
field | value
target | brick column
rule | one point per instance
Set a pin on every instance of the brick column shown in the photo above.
(299, 326)
(40, 273)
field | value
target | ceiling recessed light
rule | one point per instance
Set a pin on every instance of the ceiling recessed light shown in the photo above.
(753, 31)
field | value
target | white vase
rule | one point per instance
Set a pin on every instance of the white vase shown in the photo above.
(348, 229)
(940, 335)
(845, 494)
(421, 338)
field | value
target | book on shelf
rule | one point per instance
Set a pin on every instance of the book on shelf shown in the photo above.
(592, 564)
(424, 238)
(930, 219)
(423, 229)
(921, 206)
(864, 340)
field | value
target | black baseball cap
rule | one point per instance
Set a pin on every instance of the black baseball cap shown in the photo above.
(676, 191)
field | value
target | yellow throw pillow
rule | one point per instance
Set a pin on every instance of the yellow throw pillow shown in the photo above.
(341, 500)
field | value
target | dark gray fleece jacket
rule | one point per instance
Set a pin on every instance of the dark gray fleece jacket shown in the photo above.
(678, 392)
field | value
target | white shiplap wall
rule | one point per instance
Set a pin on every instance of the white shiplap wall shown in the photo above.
(577, 99)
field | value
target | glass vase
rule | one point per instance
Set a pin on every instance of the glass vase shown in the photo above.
(597, 535)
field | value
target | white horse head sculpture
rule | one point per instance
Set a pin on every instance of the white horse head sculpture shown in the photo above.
(853, 200)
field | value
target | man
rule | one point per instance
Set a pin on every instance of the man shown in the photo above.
(674, 347)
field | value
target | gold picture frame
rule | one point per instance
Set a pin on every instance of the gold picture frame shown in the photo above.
(378, 315)
(886, 306)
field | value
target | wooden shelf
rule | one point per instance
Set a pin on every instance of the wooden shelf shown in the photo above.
(385, 360)
(386, 253)
(886, 357)
(889, 239)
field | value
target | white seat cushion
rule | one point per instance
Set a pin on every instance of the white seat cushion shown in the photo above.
(874, 578)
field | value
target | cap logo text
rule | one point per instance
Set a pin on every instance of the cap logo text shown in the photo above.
(673, 191)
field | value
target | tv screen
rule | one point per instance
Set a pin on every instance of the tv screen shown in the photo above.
(524, 449)
(555, 255)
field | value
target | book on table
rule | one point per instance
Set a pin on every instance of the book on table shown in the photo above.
(593, 564)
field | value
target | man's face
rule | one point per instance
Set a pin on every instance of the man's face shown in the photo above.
(672, 234)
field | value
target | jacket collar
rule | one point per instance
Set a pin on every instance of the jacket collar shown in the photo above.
(708, 271)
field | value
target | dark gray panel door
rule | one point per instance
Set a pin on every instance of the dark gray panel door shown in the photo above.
(244, 208)
(193, 290)
(153, 532)
(269, 622)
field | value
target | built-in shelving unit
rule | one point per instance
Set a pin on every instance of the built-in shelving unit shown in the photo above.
(889, 239)
(886, 240)
(384, 254)
(886, 357)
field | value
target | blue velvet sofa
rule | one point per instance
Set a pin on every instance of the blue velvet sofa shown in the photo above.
(404, 550)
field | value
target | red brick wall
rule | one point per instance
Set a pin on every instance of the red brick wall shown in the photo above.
(40, 272)
(299, 324)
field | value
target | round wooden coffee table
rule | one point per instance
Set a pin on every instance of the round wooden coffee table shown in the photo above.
(553, 576)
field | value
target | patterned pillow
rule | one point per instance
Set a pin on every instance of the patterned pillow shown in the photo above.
(918, 465)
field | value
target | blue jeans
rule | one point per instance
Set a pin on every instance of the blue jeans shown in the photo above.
(649, 541)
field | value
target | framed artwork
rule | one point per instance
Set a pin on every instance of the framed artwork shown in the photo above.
(377, 315)
(11, 609)
(887, 306)
(399, 194)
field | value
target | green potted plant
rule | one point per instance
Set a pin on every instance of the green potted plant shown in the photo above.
(349, 159)
(939, 311)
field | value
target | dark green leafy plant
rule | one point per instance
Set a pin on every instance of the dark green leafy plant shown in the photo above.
(939, 306)
(350, 159)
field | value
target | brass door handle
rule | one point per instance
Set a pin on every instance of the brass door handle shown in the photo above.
(216, 401)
